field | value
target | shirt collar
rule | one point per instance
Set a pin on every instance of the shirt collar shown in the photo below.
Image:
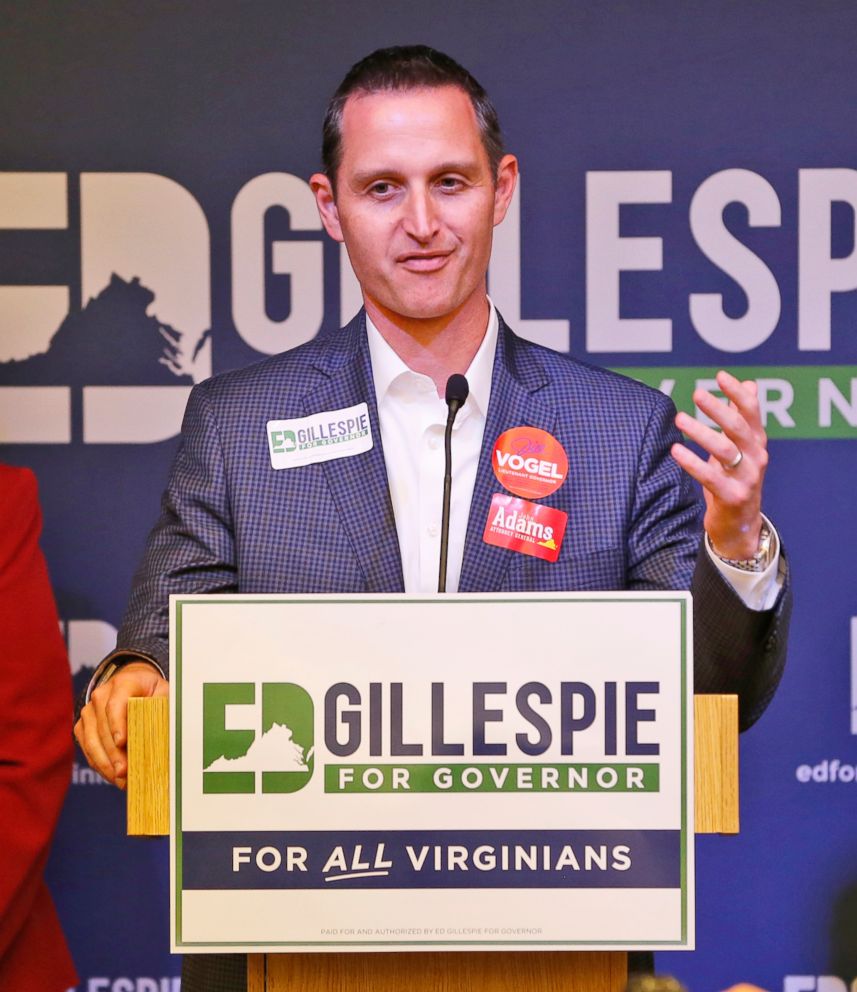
(388, 368)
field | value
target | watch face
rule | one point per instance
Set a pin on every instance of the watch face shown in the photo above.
(763, 555)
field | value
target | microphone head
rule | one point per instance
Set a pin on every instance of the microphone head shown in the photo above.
(457, 390)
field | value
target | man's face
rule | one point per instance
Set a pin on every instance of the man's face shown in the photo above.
(416, 202)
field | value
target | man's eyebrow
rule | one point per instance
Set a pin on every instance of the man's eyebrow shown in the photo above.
(464, 165)
(369, 175)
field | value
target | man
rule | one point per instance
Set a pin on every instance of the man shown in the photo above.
(415, 180)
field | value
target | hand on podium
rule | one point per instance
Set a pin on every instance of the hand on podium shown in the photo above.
(102, 730)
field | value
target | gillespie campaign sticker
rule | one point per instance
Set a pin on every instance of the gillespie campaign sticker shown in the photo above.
(531, 528)
(320, 437)
(529, 462)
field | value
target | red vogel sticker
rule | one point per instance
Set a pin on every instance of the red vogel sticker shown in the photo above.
(531, 528)
(529, 462)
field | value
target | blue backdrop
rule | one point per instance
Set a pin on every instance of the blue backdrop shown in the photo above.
(688, 202)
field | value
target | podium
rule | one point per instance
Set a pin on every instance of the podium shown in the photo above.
(716, 811)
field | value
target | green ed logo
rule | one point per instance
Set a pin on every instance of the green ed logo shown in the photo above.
(283, 442)
(252, 732)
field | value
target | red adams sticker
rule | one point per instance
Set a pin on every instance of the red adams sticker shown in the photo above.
(529, 462)
(531, 528)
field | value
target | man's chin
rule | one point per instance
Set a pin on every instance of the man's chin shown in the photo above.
(426, 308)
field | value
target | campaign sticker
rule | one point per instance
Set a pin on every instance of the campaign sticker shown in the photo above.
(531, 528)
(319, 438)
(529, 462)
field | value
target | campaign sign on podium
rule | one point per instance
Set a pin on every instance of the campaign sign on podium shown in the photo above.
(458, 772)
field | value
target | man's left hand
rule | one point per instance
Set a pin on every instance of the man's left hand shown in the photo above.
(733, 474)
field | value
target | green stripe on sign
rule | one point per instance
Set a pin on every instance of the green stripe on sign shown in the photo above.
(491, 778)
(797, 401)
(224, 783)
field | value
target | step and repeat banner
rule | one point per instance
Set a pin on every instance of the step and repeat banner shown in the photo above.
(687, 202)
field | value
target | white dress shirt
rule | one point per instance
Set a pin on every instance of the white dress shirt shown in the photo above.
(413, 419)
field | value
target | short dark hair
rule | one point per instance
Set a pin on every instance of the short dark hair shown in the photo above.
(407, 67)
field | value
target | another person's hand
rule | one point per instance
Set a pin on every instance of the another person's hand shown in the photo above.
(102, 730)
(733, 474)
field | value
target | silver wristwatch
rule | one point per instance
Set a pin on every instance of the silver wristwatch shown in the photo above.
(760, 560)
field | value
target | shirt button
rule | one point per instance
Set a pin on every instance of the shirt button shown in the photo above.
(433, 530)
(434, 443)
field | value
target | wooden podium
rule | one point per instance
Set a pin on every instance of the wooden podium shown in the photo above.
(716, 812)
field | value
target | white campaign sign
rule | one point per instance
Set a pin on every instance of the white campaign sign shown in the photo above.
(403, 773)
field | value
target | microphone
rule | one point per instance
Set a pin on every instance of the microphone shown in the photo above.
(457, 391)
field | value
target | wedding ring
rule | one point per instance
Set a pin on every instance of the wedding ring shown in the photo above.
(736, 461)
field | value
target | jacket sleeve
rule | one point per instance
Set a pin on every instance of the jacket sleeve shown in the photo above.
(35, 699)
(192, 546)
(736, 649)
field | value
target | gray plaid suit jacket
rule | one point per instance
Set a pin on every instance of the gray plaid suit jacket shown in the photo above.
(231, 523)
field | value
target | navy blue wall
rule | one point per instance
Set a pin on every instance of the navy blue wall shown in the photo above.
(213, 95)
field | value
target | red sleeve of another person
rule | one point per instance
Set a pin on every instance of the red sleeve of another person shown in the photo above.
(35, 746)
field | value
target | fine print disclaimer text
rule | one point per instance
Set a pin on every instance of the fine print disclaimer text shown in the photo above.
(431, 932)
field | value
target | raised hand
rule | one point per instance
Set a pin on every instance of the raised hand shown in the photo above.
(733, 474)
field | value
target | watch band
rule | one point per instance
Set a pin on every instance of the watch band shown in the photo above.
(110, 665)
(760, 560)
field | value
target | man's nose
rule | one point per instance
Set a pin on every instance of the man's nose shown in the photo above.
(421, 219)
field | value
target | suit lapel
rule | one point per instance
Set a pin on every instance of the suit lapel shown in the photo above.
(515, 383)
(358, 484)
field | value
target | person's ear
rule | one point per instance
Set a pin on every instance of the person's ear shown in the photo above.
(504, 189)
(325, 200)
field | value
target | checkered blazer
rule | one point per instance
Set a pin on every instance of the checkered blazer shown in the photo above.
(231, 523)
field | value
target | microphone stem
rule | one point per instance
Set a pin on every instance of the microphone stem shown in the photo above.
(447, 489)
